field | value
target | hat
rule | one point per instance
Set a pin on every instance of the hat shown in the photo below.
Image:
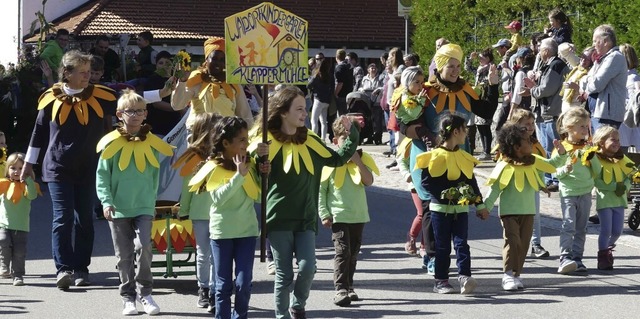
(522, 52)
(213, 44)
(446, 53)
(515, 24)
(502, 43)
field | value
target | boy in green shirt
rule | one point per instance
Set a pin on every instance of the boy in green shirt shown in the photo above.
(342, 207)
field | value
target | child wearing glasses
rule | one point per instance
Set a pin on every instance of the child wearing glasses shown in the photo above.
(127, 181)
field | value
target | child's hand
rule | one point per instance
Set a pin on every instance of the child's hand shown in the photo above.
(558, 145)
(482, 213)
(546, 191)
(108, 212)
(167, 89)
(569, 167)
(265, 168)
(46, 70)
(494, 78)
(327, 223)
(241, 164)
(263, 149)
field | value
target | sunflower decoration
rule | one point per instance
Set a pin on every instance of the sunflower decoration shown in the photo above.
(62, 104)
(212, 175)
(588, 154)
(520, 173)
(441, 160)
(616, 169)
(635, 178)
(293, 153)
(139, 146)
(187, 162)
(182, 63)
(15, 190)
(441, 94)
(462, 194)
(351, 170)
(3, 159)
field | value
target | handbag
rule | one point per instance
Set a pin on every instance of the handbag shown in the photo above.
(632, 111)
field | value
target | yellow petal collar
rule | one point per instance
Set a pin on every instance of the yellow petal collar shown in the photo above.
(505, 171)
(209, 85)
(140, 150)
(15, 190)
(349, 169)
(62, 104)
(212, 176)
(441, 160)
(187, 162)
(453, 95)
(616, 169)
(292, 153)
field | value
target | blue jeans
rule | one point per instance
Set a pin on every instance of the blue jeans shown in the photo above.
(575, 214)
(204, 258)
(225, 252)
(445, 228)
(284, 245)
(546, 133)
(72, 213)
(392, 138)
(611, 223)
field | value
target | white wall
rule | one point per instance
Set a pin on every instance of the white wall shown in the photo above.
(10, 14)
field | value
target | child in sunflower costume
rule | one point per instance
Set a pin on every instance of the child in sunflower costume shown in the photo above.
(408, 100)
(196, 205)
(297, 157)
(342, 207)
(230, 178)
(15, 206)
(447, 174)
(575, 186)
(127, 192)
(526, 121)
(516, 179)
(611, 170)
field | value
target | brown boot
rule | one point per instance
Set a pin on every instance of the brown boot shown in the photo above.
(604, 263)
(410, 246)
(610, 256)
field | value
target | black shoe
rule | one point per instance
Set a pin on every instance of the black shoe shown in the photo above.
(387, 153)
(539, 252)
(594, 219)
(393, 164)
(203, 298)
(212, 305)
(552, 187)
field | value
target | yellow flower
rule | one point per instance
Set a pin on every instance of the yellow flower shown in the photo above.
(184, 59)
(588, 155)
(409, 103)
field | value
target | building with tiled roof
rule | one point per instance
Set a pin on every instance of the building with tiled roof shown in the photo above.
(366, 27)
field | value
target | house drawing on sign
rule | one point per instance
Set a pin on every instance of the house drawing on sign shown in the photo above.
(289, 50)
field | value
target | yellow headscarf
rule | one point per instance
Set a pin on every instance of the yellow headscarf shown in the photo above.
(213, 44)
(445, 53)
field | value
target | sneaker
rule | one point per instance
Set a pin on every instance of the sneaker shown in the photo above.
(82, 279)
(467, 284)
(149, 305)
(509, 283)
(393, 164)
(212, 305)
(483, 157)
(431, 266)
(580, 267)
(271, 268)
(17, 281)
(443, 287)
(297, 313)
(129, 308)
(567, 265)
(203, 298)
(410, 247)
(5, 275)
(518, 282)
(63, 280)
(353, 295)
(539, 251)
(342, 298)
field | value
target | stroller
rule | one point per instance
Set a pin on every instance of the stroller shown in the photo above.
(359, 107)
(634, 194)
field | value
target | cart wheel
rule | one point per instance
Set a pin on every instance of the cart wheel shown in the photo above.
(634, 219)
(165, 276)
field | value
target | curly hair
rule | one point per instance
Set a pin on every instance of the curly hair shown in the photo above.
(509, 137)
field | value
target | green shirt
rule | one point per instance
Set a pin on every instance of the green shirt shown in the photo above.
(347, 204)
(232, 213)
(195, 205)
(52, 53)
(16, 216)
(292, 201)
(577, 182)
(131, 192)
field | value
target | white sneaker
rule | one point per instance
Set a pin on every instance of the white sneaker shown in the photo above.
(509, 283)
(129, 308)
(518, 282)
(467, 284)
(149, 305)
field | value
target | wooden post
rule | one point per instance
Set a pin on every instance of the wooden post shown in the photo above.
(265, 177)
